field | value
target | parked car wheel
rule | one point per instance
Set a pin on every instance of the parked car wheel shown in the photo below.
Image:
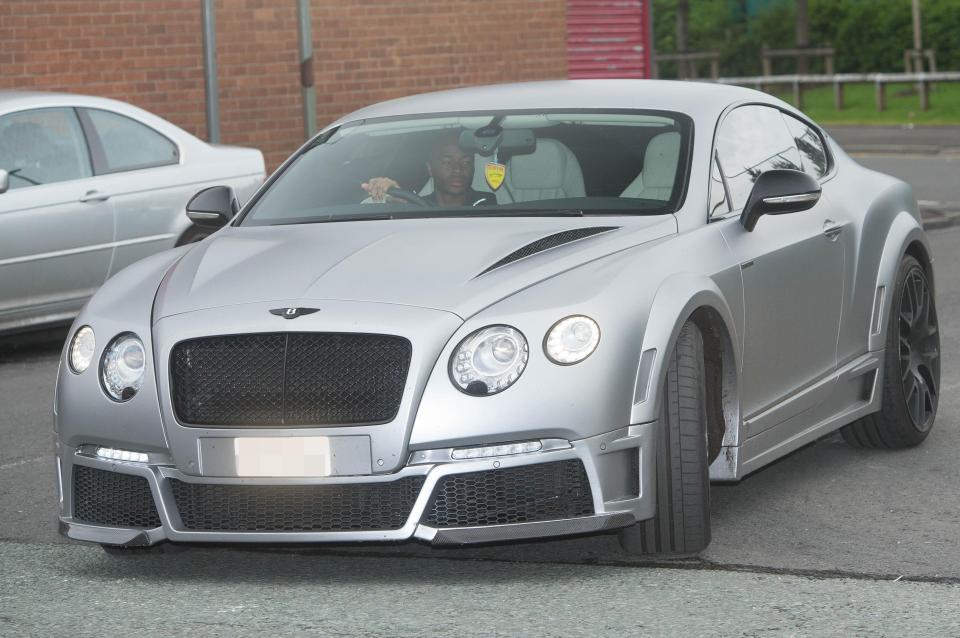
(681, 526)
(911, 379)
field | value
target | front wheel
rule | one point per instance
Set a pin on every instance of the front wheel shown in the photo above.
(911, 368)
(681, 526)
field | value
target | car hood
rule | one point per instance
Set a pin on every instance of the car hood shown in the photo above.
(444, 264)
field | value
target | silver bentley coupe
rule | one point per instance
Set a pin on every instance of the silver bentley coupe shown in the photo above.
(502, 312)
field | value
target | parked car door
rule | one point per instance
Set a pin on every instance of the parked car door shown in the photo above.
(792, 269)
(56, 229)
(148, 184)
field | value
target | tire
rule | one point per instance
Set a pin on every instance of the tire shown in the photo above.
(192, 235)
(910, 396)
(681, 526)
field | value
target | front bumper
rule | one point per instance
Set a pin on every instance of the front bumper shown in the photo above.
(618, 467)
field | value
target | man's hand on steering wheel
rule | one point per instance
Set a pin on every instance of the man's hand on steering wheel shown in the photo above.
(384, 189)
(378, 187)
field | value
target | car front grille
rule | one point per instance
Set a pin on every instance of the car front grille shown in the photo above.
(542, 492)
(296, 508)
(293, 379)
(112, 498)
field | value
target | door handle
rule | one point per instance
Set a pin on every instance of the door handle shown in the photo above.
(832, 230)
(94, 196)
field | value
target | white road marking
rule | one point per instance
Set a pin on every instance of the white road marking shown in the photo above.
(7, 466)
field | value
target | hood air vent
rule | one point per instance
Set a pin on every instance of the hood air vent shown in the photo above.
(548, 242)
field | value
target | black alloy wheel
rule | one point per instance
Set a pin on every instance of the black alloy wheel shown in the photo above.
(911, 367)
(919, 349)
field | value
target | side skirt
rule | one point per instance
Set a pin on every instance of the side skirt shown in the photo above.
(856, 393)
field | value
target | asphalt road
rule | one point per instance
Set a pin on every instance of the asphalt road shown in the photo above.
(814, 544)
(934, 179)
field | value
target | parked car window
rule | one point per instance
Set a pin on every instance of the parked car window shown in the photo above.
(488, 163)
(128, 144)
(753, 139)
(810, 145)
(43, 146)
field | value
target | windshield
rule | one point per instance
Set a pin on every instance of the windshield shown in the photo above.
(486, 164)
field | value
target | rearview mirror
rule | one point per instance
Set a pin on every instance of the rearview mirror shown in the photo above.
(778, 192)
(4, 181)
(213, 207)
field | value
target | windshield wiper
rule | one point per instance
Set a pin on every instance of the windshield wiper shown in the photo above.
(360, 217)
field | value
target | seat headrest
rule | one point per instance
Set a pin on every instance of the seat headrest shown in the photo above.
(550, 166)
(660, 160)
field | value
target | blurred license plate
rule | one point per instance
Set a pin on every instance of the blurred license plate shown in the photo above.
(285, 456)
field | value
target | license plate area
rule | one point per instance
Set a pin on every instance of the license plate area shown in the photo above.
(285, 456)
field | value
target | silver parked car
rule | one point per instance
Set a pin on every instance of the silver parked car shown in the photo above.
(88, 186)
(503, 312)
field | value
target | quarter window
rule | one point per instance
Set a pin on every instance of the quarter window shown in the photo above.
(128, 144)
(43, 146)
(719, 205)
(808, 142)
(753, 139)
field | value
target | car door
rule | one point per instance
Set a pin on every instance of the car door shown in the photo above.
(56, 231)
(792, 271)
(140, 169)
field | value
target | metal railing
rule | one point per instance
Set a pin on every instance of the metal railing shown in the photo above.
(838, 81)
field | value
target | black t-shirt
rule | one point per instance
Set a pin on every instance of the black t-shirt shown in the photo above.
(473, 198)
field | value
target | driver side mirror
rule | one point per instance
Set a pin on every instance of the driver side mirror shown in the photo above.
(4, 181)
(778, 192)
(213, 207)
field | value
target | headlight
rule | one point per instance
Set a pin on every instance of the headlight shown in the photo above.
(489, 361)
(81, 349)
(572, 340)
(122, 367)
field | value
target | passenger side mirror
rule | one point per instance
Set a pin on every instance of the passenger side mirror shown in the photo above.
(778, 192)
(4, 181)
(213, 207)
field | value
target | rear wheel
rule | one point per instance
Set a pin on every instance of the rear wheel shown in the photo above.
(911, 368)
(681, 526)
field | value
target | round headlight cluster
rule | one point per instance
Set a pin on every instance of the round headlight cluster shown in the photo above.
(572, 340)
(123, 365)
(82, 348)
(489, 361)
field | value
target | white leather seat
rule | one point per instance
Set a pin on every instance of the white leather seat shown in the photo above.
(659, 169)
(550, 172)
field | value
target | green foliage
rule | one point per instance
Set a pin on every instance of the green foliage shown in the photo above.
(868, 35)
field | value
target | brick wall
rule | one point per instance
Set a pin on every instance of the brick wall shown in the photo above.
(150, 54)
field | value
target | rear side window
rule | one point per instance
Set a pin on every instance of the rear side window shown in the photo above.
(127, 145)
(753, 139)
(808, 142)
(43, 146)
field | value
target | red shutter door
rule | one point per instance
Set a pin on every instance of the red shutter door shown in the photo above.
(608, 38)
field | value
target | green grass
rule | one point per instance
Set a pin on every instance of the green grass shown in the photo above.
(903, 104)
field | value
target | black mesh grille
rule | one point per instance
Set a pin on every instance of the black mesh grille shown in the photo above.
(296, 508)
(548, 242)
(542, 492)
(289, 379)
(111, 498)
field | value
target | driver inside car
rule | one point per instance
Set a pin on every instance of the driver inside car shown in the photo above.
(452, 171)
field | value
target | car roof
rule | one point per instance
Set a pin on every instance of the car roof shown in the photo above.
(12, 101)
(700, 100)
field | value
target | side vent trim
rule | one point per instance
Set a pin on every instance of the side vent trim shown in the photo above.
(548, 242)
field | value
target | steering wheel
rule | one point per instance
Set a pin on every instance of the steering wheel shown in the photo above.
(407, 196)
